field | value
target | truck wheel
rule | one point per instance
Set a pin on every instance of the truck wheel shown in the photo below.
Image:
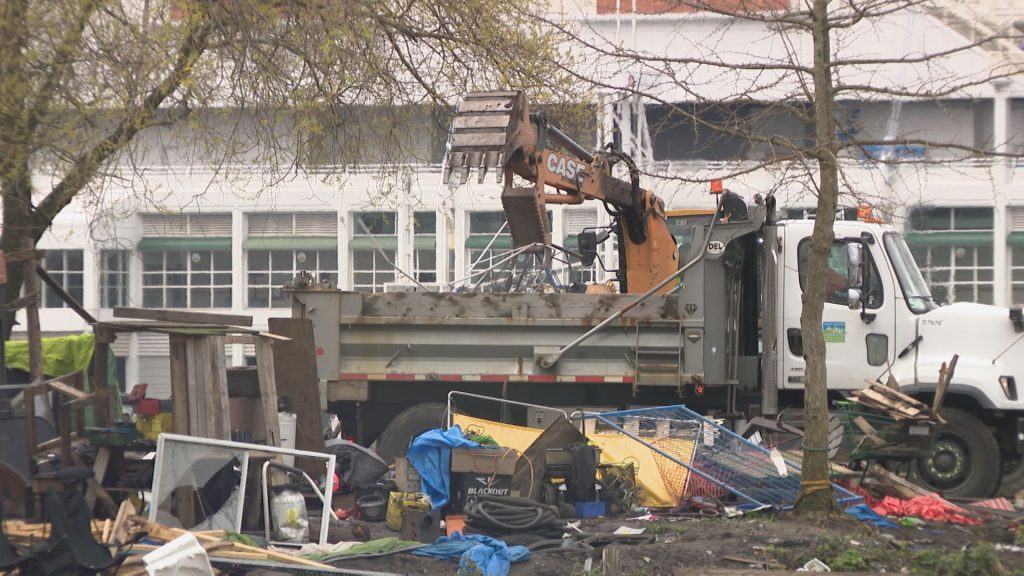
(965, 460)
(394, 441)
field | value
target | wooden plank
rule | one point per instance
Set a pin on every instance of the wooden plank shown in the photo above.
(240, 339)
(121, 532)
(26, 300)
(945, 377)
(104, 410)
(52, 443)
(67, 298)
(66, 390)
(868, 430)
(296, 379)
(268, 390)
(183, 316)
(179, 383)
(219, 387)
(30, 427)
(99, 469)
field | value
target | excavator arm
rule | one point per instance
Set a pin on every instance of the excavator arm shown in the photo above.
(496, 131)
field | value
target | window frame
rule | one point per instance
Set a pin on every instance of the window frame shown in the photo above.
(876, 289)
(62, 276)
(123, 274)
(189, 273)
(271, 287)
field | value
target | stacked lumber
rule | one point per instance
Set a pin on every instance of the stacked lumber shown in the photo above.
(214, 542)
(896, 404)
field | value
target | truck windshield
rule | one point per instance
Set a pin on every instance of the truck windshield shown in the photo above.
(919, 299)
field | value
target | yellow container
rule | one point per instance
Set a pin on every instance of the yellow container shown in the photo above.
(151, 426)
(398, 502)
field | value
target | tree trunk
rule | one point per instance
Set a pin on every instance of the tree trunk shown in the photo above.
(19, 224)
(816, 495)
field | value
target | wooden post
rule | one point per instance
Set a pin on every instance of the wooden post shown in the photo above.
(30, 427)
(268, 389)
(104, 412)
(218, 388)
(179, 383)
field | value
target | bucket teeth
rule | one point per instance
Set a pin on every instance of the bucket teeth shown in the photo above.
(480, 131)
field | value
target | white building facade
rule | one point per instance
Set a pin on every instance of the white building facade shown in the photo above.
(174, 235)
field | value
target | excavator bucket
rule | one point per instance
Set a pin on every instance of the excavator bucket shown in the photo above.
(526, 216)
(483, 131)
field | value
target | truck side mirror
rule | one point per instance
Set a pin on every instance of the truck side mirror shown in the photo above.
(854, 270)
(587, 241)
(853, 298)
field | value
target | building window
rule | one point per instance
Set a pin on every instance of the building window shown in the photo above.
(425, 247)
(373, 248)
(114, 278)
(269, 270)
(66, 268)
(186, 279)
(953, 249)
(487, 244)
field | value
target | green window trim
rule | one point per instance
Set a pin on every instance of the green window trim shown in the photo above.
(371, 243)
(949, 239)
(1015, 239)
(172, 244)
(277, 243)
(480, 242)
(424, 243)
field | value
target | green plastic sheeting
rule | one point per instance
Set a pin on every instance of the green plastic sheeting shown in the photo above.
(64, 355)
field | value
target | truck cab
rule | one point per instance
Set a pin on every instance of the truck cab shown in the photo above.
(888, 326)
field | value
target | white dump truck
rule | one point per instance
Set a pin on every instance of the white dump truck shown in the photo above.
(717, 326)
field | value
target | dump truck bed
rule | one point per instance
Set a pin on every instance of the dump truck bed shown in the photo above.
(491, 337)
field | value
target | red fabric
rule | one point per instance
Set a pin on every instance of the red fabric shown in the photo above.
(929, 507)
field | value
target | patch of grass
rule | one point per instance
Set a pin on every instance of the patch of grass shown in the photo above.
(848, 560)
(980, 559)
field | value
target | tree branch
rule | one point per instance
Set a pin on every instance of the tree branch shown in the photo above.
(86, 164)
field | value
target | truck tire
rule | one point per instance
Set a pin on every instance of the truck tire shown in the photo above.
(965, 460)
(394, 441)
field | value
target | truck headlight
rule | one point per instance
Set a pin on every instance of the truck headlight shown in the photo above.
(1009, 386)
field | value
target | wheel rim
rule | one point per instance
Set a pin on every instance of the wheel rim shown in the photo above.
(949, 464)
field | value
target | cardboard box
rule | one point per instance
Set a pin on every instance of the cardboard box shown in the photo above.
(484, 460)
(407, 479)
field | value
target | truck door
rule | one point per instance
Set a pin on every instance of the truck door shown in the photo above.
(858, 342)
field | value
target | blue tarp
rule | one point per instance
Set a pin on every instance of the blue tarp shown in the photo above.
(864, 513)
(477, 554)
(431, 456)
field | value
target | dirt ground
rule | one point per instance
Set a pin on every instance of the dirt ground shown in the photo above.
(773, 542)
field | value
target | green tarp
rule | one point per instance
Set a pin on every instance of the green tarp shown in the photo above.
(64, 355)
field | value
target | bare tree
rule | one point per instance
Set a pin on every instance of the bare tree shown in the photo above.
(796, 64)
(277, 83)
